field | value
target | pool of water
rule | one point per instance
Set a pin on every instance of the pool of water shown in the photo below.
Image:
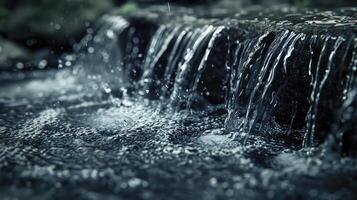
(60, 138)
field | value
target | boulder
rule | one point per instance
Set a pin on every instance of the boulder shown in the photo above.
(284, 68)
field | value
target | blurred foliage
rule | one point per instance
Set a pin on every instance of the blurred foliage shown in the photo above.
(3, 13)
(55, 24)
(302, 3)
(49, 18)
(129, 7)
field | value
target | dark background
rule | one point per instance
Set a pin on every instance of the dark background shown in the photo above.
(33, 30)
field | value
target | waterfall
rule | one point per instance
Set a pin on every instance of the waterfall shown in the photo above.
(175, 61)
(254, 77)
(318, 84)
(99, 58)
(286, 80)
(153, 71)
(343, 137)
(188, 71)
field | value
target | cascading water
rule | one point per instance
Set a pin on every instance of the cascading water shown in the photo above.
(116, 123)
(262, 73)
(176, 60)
(101, 46)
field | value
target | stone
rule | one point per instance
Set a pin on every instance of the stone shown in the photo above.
(278, 45)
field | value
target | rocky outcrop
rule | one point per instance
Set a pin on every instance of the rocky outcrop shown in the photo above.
(285, 69)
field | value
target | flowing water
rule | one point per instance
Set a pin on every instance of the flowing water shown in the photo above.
(164, 118)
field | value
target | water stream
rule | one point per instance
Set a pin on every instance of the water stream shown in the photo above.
(205, 115)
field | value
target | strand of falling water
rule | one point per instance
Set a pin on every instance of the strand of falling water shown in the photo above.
(101, 50)
(119, 24)
(153, 47)
(244, 54)
(185, 69)
(290, 42)
(253, 109)
(109, 28)
(240, 54)
(351, 76)
(309, 117)
(349, 97)
(202, 65)
(292, 39)
(160, 42)
(176, 53)
(112, 57)
(317, 88)
(161, 48)
(291, 48)
(230, 62)
(174, 65)
(313, 40)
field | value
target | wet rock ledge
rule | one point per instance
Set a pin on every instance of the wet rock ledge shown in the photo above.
(289, 69)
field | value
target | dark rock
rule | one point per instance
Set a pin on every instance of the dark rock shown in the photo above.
(287, 63)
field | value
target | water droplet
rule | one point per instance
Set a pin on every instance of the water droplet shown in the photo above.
(90, 50)
(106, 88)
(110, 34)
(134, 182)
(42, 64)
(57, 26)
(68, 63)
(19, 65)
(213, 181)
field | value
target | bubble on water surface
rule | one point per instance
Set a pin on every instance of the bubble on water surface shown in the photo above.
(111, 119)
